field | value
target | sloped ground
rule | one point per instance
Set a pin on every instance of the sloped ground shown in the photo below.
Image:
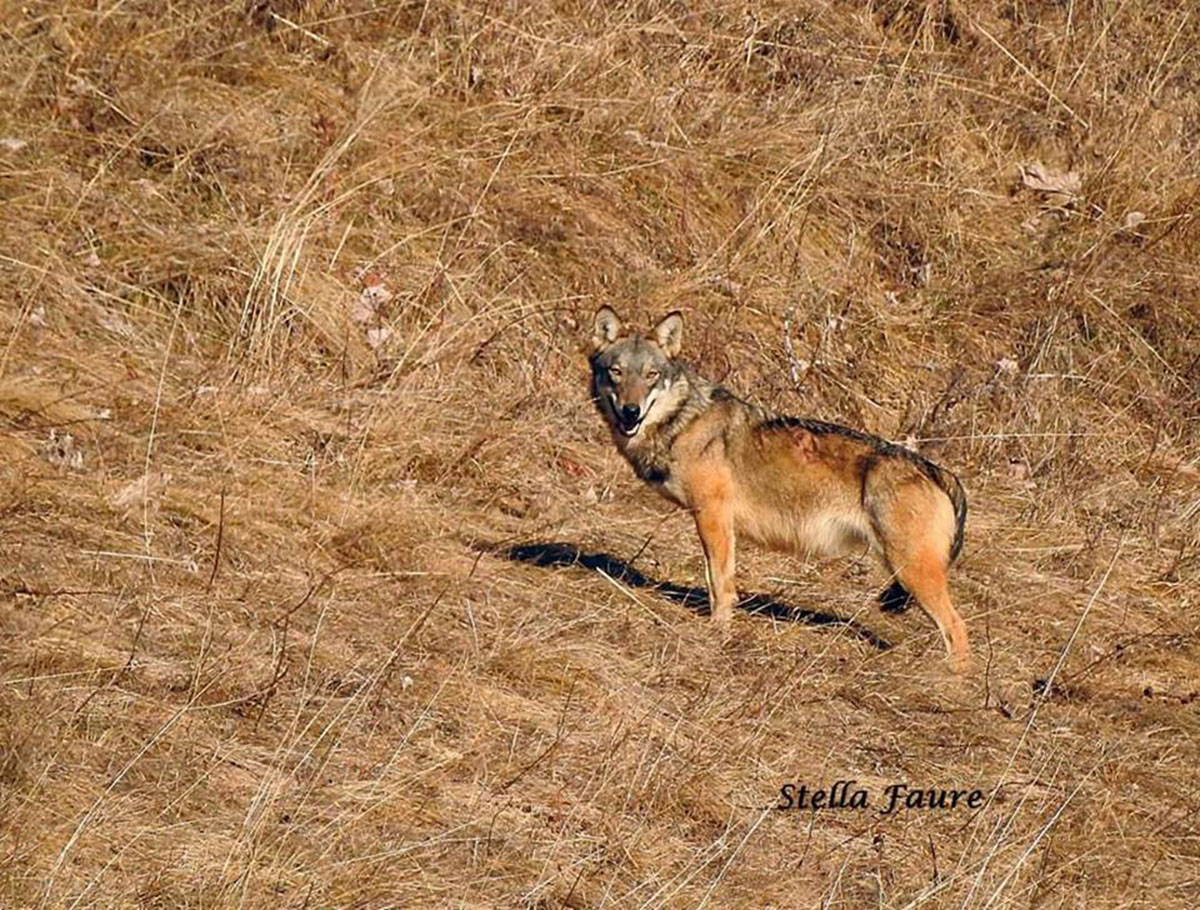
(293, 298)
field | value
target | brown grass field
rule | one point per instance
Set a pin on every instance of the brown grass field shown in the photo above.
(321, 583)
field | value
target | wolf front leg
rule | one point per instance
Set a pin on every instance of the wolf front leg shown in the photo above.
(714, 523)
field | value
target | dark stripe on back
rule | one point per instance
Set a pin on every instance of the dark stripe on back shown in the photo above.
(881, 446)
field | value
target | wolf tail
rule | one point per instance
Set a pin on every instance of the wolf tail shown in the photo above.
(953, 488)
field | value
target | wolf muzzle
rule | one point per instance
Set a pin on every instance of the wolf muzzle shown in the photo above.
(629, 418)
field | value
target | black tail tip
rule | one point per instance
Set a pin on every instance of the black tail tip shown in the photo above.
(894, 598)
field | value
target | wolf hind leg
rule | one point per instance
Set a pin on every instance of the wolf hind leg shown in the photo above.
(914, 523)
(924, 575)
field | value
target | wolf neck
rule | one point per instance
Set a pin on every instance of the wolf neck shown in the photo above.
(649, 452)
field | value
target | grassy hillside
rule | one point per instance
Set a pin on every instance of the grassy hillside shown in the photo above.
(321, 584)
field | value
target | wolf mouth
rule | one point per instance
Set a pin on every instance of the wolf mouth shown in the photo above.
(630, 429)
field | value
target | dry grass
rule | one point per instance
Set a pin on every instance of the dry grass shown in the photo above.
(293, 295)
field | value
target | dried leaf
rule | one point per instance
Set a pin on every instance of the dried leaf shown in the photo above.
(1133, 220)
(726, 286)
(378, 337)
(362, 311)
(115, 323)
(369, 307)
(145, 492)
(1065, 185)
(59, 449)
(574, 468)
(1019, 472)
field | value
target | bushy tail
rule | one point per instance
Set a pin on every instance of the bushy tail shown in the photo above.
(953, 488)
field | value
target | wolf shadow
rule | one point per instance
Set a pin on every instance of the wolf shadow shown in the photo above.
(554, 554)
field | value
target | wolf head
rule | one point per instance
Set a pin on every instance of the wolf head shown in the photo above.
(632, 374)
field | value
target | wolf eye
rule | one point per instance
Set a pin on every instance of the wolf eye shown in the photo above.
(614, 372)
(652, 375)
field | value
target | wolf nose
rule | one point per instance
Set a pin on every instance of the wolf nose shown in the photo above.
(630, 412)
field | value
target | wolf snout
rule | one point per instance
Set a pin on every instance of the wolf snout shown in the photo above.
(629, 418)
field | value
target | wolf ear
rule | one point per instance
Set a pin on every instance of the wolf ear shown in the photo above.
(668, 334)
(606, 328)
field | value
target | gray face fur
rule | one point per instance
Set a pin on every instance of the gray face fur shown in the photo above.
(631, 374)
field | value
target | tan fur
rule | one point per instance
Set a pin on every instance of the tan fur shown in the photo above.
(793, 485)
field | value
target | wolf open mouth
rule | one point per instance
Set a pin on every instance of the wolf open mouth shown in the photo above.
(629, 428)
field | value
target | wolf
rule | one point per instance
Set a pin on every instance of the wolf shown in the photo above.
(787, 483)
